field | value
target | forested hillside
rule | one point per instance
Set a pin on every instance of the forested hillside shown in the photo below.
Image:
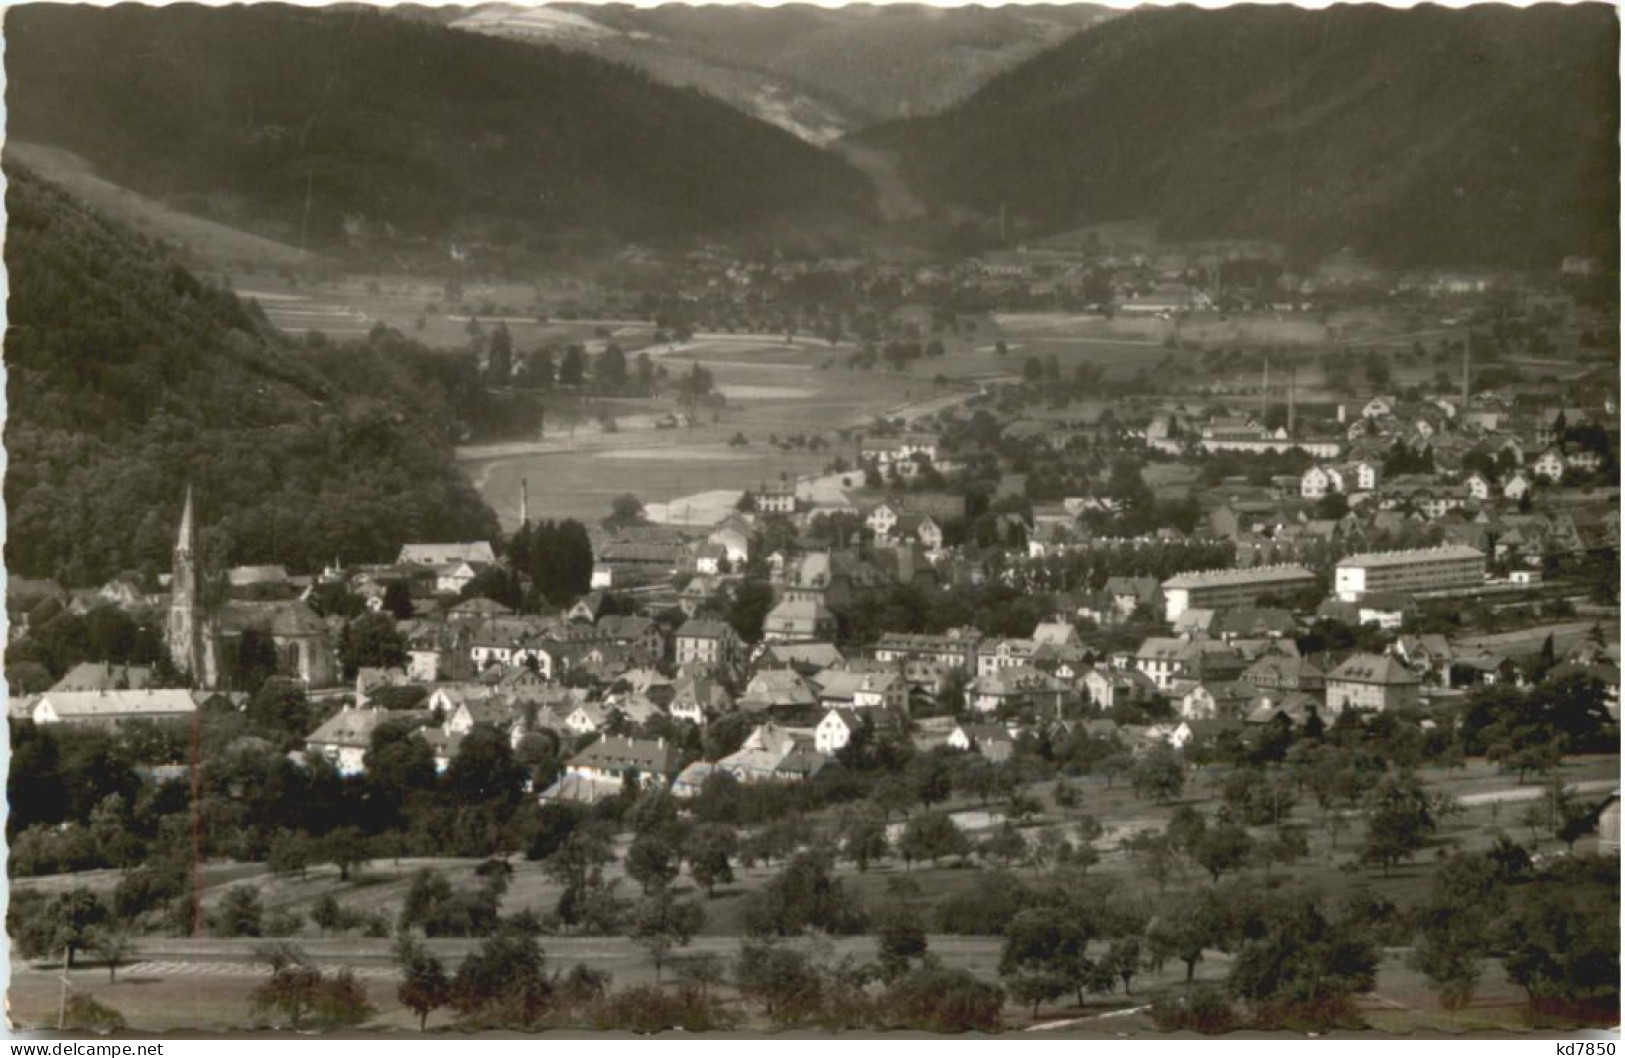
(351, 128)
(869, 62)
(129, 379)
(1484, 136)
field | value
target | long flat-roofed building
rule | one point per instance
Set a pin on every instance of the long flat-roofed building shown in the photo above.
(1417, 571)
(1217, 589)
(113, 709)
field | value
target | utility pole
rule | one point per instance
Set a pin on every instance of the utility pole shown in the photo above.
(304, 217)
(524, 502)
(62, 1004)
(1264, 401)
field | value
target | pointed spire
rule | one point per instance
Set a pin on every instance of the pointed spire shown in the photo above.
(183, 542)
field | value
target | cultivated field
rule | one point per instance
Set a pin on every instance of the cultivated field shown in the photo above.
(771, 390)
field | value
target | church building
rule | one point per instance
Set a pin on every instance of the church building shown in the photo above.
(203, 640)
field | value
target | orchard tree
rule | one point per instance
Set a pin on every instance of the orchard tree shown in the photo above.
(709, 852)
(1398, 823)
(1159, 774)
(783, 980)
(1304, 960)
(424, 986)
(1221, 848)
(1155, 856)
(931, 836)
(113, 944)
(1183, 930)
(504, 982)
(1048, 942)
(901, 940)
(662, 922)
(863, 839)
(652, 861)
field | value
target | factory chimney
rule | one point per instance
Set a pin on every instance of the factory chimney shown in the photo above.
(1466, 377)
(1292, 401)
(1264, 402)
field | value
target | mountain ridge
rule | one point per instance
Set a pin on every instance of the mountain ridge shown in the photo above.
(1423, 137)
(345, 129)
(820, 72)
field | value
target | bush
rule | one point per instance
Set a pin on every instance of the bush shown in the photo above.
(299, 995)
(1206, 1010)
(503, 983)
(933, 999)
(1319, 1015)
(86, 1014)
(803, 895)
(650, 1009)
(984, 910)
(147, 888)
(282, 923)
(240, 913)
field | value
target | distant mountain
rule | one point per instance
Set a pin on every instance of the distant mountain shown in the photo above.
(352, 128)
(1481, 136)
(818, 72)
(128, 379)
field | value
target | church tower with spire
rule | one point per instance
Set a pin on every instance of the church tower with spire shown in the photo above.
(183, 635)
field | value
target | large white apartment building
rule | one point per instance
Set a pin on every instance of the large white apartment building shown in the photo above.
(1217, 589)
(1417, 571)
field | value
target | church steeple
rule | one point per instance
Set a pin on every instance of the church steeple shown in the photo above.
(183, 541)
(183, 635)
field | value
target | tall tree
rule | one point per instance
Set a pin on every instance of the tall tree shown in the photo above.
(499, 356)
(424, 985)
(573, 367)
(610, 369)
(661, 922)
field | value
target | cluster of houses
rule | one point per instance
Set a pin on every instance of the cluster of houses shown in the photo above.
(612, 688)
